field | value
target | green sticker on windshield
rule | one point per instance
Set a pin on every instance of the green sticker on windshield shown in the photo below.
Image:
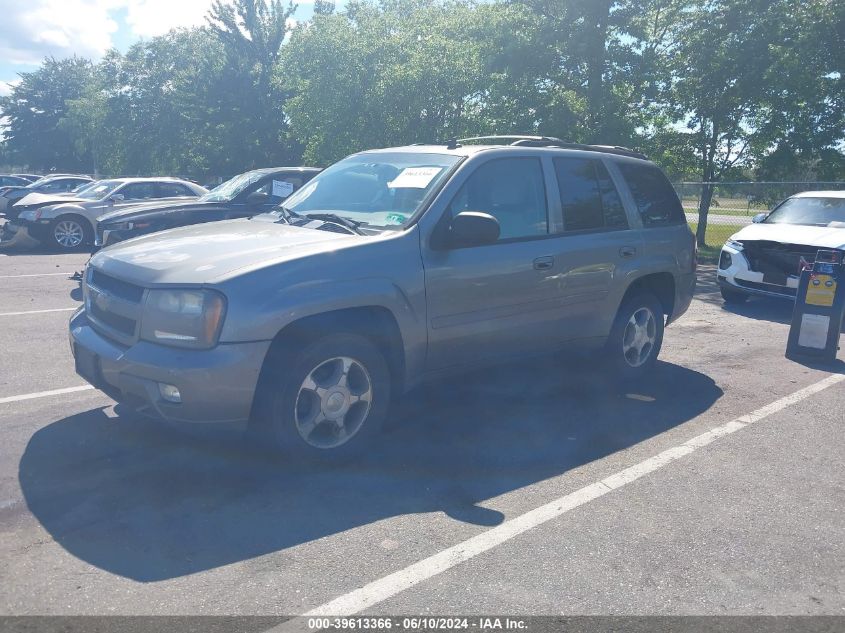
(395, 218)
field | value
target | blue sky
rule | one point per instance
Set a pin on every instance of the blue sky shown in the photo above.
(33, 29)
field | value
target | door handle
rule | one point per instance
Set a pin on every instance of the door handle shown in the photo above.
(627, 251)
(544, 263)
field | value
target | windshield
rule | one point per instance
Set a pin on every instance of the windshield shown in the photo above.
(97, 190)
(376, 189)
(809, 211)
(228, 190)
(85, 186)
(39, 182)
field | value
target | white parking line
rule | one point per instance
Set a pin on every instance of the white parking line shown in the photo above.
(44, 394)
(37, 275)
(397, 582)
(36, 311)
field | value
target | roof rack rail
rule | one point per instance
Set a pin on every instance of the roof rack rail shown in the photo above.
(512, 138)
(521, 140)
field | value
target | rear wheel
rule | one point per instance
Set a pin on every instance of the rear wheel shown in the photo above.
(69, 232)
(329, 399)
(637, 336)
(733, 297)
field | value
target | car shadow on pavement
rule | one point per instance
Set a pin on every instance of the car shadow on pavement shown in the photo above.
(139, 500)
(763, 309)
(758, 308)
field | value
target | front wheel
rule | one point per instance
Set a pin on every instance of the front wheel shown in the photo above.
(329, 399)
(637, 336)
(68, 233)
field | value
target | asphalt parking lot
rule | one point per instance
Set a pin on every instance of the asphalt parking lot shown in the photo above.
(539, 488)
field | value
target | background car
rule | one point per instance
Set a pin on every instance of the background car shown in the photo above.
(247, 194)
(11, 180)
(29, 177)
(68, 223)
(766, 258)
(47, 185)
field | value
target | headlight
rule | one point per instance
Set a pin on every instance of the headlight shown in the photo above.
(737, 246)
(33, 215)
(184, 318)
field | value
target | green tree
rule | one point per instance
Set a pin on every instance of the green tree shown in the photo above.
(34, 109)
(742, 75)
(404, 71)
(250, 104)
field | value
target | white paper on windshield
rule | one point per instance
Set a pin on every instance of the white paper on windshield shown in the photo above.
(414, 177)
(813, 331)
(282, 189)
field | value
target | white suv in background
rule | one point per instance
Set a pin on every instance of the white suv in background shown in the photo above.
(766, 257)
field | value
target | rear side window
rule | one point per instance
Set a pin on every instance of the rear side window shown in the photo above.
(173, 190)
(58, 185)
(588, 197)
(654, 195)
(138, 191)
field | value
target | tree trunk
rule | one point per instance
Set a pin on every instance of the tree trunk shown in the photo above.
(703, 210)
(599, 14)
(708, 173)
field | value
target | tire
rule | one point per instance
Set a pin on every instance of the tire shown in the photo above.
(70, 232)
(636, 336)
(311, 414)
(733, 297)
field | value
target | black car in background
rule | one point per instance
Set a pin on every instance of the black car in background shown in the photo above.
(56, 184)
(250, 193)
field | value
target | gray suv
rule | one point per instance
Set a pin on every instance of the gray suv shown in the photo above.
(389, 267)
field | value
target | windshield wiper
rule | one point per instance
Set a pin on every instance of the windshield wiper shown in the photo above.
(352, 225)
(287, 214)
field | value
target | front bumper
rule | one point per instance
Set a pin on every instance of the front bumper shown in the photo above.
(739, 277)
(216, 385)
(13, 234)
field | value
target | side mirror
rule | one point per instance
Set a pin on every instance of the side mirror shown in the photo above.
(257, 198)
(473, 228)
(117, 197)
(759, 217)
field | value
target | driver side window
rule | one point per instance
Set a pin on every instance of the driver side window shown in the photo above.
(512, 190)
(138, 191)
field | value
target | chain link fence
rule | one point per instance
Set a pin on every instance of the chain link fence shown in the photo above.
(734, 204)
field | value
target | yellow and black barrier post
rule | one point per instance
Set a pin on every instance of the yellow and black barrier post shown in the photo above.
(819, 309)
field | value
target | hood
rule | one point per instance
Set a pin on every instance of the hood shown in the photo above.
(820, 236)
(152, 208)
(213, 252)
(44, 199)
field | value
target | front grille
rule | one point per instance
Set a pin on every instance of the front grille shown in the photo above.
(113, 306)
(120, 323)
(117, 287)
(773, 288)
(777, 260)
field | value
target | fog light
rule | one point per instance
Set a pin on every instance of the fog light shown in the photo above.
(725, 260)
(169, 393)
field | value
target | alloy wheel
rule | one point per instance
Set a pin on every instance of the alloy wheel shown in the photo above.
(640, 337)
(68, 234)
(333, 402)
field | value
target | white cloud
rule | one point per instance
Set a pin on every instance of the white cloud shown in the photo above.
(33, 29)
(148, 18)
(6, 86)
(29, 31)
